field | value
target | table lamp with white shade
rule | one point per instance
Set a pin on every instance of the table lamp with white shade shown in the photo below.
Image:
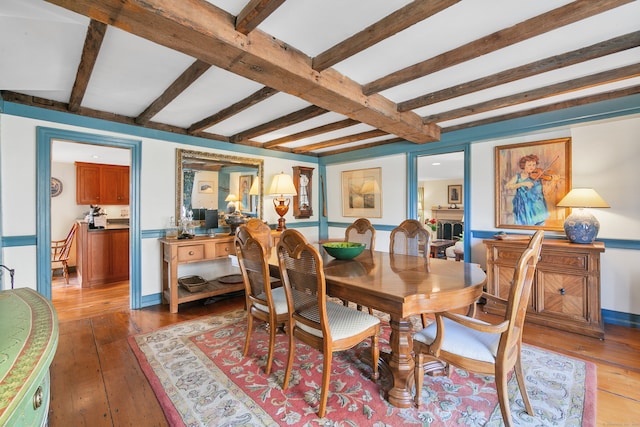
(255, 187)
(581, 226)
(231, 206)
(281, 186)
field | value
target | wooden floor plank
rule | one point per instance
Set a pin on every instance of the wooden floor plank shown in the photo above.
(97, 381)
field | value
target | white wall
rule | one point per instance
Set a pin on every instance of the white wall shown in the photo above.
(157, 193)
(394, 195)
(605, 157)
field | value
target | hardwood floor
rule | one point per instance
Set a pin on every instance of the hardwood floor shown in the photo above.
(96, 380)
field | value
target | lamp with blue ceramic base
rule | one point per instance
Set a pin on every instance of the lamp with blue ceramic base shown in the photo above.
(581, 226)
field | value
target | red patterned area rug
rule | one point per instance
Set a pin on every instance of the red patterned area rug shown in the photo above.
(198, 373)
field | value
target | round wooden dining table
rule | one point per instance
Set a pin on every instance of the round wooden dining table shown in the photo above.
(401, 286)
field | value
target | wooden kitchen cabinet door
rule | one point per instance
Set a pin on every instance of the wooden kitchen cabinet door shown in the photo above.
(87, 183)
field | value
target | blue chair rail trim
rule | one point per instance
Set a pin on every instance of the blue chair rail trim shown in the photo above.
(609, 243)
(382, 227)
(11, 241)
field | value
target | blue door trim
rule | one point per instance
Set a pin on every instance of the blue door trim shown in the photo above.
(44, 138)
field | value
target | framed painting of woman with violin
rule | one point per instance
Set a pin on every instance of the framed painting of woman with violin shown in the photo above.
(531, 178)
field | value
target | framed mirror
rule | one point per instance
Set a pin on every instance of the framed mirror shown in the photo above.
(207, 182)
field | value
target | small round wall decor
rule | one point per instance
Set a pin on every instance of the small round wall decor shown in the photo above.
(56, 187)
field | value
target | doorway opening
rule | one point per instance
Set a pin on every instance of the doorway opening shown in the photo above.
(88, 287)
(441, 195)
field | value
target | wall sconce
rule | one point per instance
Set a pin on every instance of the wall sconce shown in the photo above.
(282, 185)
(581, 226)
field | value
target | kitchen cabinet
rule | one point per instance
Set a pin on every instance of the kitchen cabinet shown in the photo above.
(566, 288)
(103, 255)
(102, 184)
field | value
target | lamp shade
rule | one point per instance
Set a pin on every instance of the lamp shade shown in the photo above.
(581, 226)
(231, 198)
(582, 198)
(370, 187)
(282, 185)
(255, 187)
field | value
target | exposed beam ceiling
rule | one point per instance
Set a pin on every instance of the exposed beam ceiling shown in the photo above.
(317, 78)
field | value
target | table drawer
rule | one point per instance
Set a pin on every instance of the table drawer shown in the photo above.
(191, 253)
(224, 249)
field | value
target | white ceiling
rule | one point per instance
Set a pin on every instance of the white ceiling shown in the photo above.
(70, 152)
(41, 46)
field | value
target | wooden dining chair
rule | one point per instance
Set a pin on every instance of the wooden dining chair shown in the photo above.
(481, 347)
(361, 231)
(411, 238)
(60, 253)
(322, 324)
(261, 231)
(263, 301)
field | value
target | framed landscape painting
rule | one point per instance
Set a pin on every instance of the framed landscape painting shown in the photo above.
(361, 194)
(530, 180)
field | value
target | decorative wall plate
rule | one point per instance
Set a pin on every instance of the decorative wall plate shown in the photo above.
(56, 187)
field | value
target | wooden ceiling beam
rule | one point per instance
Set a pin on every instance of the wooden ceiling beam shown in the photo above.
(204, 31)
(632, 90)
(92, 43)
(581, 83)
(279, 123)
(232, 110)
(559, 17)
(190, 75)
(393, 23)
(360, 147)
(311, 132)
(339, 141)
(254, 13)
(598, 50)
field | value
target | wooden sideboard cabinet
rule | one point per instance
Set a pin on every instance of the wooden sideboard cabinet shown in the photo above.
(198, 249)
(102, 184)
(28, 342)
(185, 251)
(566, 287)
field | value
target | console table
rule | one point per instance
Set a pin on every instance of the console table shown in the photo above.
(198, 249)
(28, 342)
(566, 288)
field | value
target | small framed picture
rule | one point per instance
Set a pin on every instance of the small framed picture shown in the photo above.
(205, 187)
(361, 194)
(245, 198)
(455, 194)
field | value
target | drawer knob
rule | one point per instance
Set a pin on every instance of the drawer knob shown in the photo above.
(191, 252)
(226, 249)
(37, 398)
(562, 291)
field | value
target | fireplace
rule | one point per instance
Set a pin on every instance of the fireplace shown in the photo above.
(450, 222)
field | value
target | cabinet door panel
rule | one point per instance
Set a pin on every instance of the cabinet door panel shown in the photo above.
(87, 185)
(120, 254)
(98, 256)
(563, 294)
(109, 185)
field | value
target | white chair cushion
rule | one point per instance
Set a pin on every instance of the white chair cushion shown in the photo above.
(463, 341)
(279, 301)
(343, 321)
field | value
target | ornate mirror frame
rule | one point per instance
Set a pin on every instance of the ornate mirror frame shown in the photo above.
(194, 157)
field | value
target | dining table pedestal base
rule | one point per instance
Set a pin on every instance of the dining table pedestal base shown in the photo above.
(401, 362)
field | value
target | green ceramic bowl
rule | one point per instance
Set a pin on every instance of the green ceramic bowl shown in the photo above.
(343, 250)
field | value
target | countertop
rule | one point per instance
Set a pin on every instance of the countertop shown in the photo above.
(119, 225)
